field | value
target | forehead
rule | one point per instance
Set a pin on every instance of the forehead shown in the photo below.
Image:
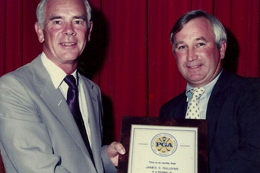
(196, 28)
(65, 7)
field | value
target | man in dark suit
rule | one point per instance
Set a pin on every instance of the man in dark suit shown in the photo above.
(230, 103)
(39, 130)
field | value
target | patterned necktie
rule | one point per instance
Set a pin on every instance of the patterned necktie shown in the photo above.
(193, 111)
(73, 103)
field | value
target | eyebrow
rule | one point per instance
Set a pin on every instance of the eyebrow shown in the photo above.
(55, 17)
(80, 17)
(60, 17)
(178, 43)
(197, 39)
(201, 38)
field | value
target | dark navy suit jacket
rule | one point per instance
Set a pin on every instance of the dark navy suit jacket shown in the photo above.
(233, 116)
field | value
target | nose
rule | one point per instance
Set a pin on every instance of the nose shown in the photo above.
(192, 55)
(69, 29)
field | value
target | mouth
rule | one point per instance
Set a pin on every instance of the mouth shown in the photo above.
(68, 44)
(194, 67)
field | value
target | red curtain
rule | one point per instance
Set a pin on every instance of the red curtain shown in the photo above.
(130, 55)
(139, 73)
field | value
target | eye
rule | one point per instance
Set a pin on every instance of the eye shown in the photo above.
(201, 44)
(79, 22)
(181, 47)
(57, 22)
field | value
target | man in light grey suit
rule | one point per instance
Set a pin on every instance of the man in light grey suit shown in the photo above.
(37, 130)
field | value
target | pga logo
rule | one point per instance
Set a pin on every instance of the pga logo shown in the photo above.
(164, 144)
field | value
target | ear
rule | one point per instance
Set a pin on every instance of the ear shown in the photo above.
(222, 49)
(39, 32)
(89, 30)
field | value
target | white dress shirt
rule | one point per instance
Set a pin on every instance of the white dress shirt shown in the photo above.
(57, 76)
(204, 99)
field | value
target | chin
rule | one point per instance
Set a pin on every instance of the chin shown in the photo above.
(70, 57)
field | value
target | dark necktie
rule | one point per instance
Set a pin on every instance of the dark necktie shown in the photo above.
(73, 103)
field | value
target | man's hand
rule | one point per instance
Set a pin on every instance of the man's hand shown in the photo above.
(113, 151)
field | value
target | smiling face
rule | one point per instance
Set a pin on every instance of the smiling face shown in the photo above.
(65, 32)
(197, 56)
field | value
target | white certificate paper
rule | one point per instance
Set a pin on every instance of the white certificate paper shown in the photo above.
(163, 149)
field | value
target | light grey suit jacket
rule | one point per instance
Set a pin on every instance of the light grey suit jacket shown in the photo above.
(37, 130)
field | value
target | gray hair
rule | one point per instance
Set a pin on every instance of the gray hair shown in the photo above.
(41, 10)
(217, 27)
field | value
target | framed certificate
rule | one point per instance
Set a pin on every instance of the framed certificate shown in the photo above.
(157, 145)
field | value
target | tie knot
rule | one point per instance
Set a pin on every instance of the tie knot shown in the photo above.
(197, 92)
(71, 81)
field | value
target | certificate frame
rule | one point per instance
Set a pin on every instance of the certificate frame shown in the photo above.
(133, 122)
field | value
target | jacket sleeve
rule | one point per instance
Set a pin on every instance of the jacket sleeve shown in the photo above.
(246, 157)
(25, 142)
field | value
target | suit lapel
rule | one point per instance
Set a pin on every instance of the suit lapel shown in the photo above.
(182, 106)
(93, 118)
(175, 108)
(215, 104)
(55, 101)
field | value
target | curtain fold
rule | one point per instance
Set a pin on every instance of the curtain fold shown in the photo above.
(14, 34)
(129, 55)
(123, 78)
(2, 36)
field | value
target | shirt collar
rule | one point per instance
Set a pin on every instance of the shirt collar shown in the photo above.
(57, 74)
(208, 88)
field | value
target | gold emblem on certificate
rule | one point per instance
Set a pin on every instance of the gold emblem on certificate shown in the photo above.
(164, 144)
